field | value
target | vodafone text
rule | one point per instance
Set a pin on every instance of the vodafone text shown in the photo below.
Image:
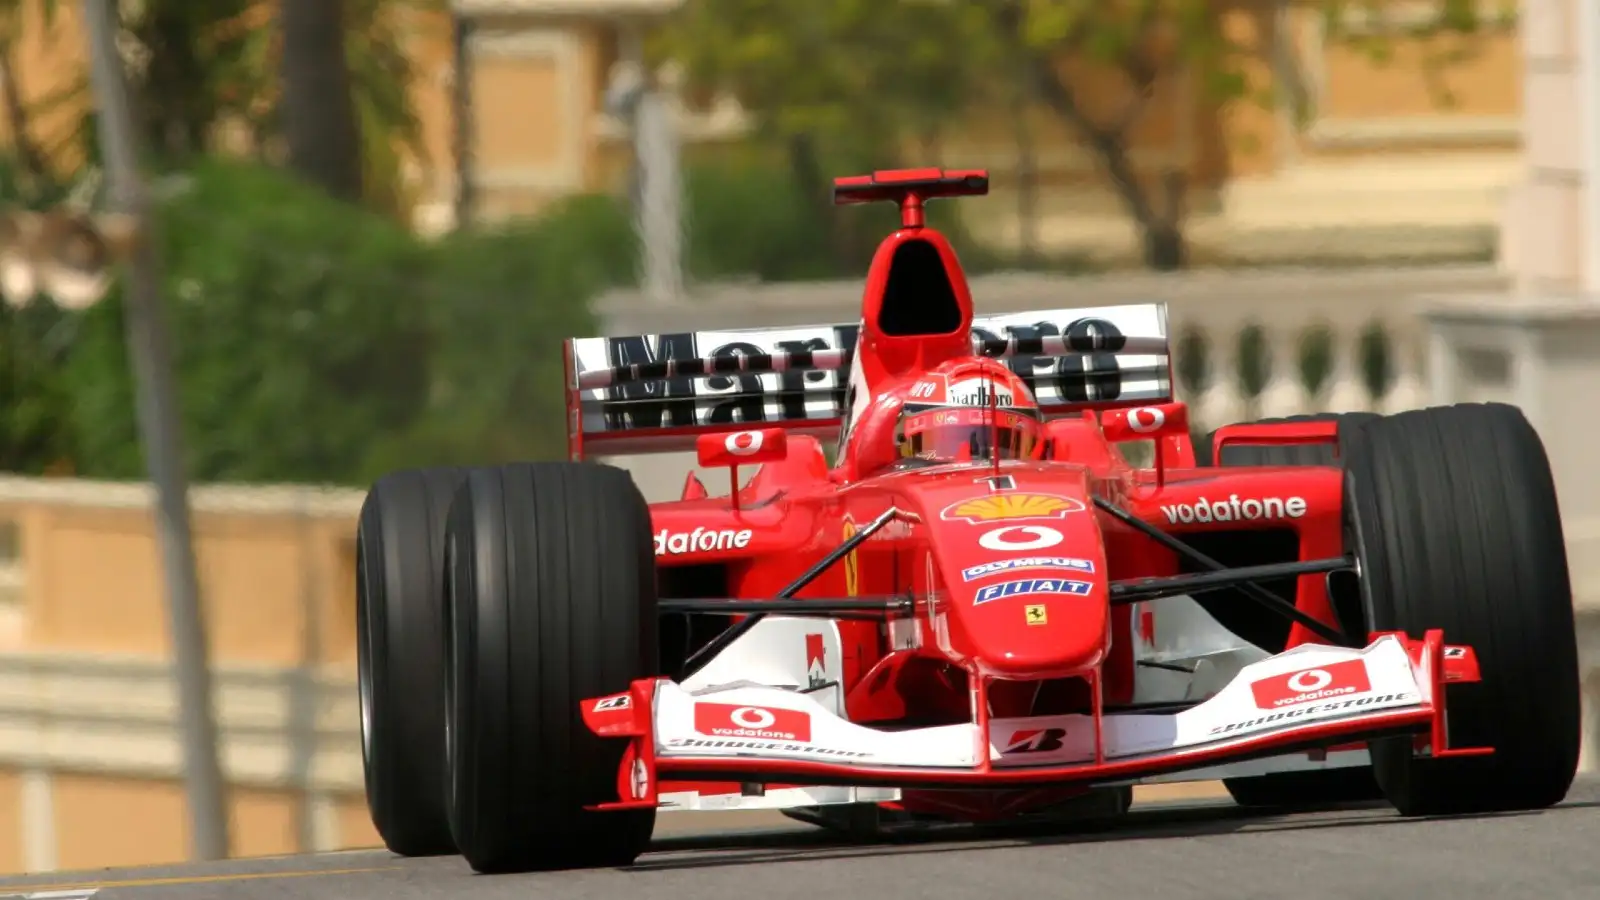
(1232, 509)
(1300, 712)
(700, 540)
(1337, 679)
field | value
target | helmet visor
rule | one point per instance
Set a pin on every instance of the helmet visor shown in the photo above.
(955, 433)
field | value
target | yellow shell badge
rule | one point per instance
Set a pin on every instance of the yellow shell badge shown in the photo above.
(852, 569)
(999, 507)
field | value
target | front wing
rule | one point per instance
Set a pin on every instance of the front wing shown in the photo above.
(1308, 697)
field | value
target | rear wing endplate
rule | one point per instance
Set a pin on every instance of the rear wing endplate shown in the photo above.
(658, 392)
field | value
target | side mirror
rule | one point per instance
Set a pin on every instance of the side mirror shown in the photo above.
(1165, 424)
(742, 448)
(1145, 423)
(731, 450)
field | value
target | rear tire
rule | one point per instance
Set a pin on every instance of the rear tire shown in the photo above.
(1457, 527)
(1312, 788)
(400, 627)
(553, 601)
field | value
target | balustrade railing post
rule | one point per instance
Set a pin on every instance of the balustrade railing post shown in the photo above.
(1285, 393)
(1217, 402)
(1346, 389)
(1407, 355)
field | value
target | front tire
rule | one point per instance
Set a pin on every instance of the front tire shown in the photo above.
(1457, 527)
(552, 588)
(400, 624)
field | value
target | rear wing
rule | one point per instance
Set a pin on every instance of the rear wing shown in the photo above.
(657, 392)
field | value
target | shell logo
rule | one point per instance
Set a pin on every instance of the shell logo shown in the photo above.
(852, 569)
(1001, 507)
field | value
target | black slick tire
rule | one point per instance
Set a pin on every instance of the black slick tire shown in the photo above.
(1313, 788)
(400, 654)
(552, 594)
(1456, 525)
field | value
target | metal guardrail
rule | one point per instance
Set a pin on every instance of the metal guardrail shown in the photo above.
(293, 499)
(281, 727)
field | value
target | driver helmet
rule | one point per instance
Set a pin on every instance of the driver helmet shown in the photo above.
(971, 409)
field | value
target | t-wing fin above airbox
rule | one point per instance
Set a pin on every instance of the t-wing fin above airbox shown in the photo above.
(910, 188)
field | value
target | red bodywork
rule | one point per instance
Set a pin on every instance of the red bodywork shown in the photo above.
(972, 658)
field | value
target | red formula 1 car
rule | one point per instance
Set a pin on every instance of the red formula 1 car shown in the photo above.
(977, 610)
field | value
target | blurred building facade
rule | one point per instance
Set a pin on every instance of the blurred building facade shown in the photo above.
(1371, 157)
(1374, 157)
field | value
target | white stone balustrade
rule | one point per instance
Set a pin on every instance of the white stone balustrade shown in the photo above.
(1288, 334)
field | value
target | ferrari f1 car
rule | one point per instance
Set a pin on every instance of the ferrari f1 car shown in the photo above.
(976, 609)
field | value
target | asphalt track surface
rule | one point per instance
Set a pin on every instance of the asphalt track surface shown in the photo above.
(1195, 850)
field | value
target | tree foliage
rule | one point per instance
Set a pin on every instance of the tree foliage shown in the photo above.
(316, 341)
(879, 71)
(863, 71)
(834, 84)
(201, 69)
(321, 130)
(300, 332)
(319, 342)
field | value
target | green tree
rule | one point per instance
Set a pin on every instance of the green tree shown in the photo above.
(749, 217)
(318, 342)
(831, 83)
(510, 295)
(1146, 41)
(35, 400)
(36, 342)
(319, 121)
(879, 70)
(301, 331)
(199, 68)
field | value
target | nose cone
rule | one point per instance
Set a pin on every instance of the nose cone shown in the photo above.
(1041, 617)
(1024, 571)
